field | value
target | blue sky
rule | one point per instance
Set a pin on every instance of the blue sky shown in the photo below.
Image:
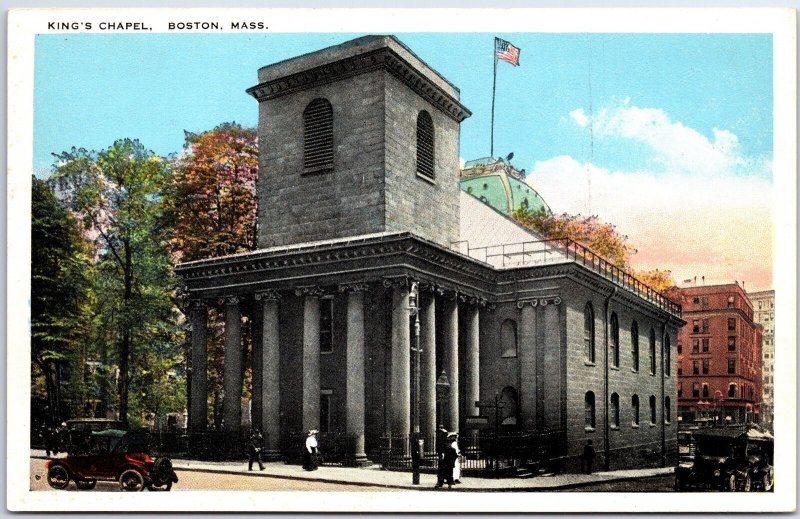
(587, 115)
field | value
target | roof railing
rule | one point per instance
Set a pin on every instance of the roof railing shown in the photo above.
(546, 252)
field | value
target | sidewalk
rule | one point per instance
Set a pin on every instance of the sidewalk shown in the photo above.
(375, 477)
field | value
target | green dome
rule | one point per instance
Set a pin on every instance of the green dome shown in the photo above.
(500, 186)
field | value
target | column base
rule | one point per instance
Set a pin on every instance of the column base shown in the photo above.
(272, 455)
(360, 460)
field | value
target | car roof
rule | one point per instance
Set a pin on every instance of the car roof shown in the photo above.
(750, 434)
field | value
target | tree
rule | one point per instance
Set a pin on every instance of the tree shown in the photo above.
(59, 292)
(601, 237)
(212, 200)
(117, 195)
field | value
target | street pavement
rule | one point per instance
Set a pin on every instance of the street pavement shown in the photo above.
(373, 476)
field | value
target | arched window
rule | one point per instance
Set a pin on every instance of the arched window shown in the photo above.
(588, 332)
(614, 340)
(667, 410)
(732, 391)
(589, 407)
(652, 351)
(508, 413)
(705, 390)
(508, 338)
(318, 136)
(635, 345)
(652, 409)
(667, 356)
(635, 409)
(614, 410)
(426, 145)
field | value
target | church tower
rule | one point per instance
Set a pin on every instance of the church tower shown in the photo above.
(357, 139)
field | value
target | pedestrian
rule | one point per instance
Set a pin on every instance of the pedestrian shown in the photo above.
(311, 452)
(441, 440)
(588, 457)
(457, 463)
(449, 461)
(254, 449)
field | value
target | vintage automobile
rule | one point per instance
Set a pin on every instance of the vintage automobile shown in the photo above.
(113, 455)
(729, 459)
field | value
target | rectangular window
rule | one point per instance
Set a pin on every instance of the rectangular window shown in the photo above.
(730, 301)
(705, 390)
(731, 343)
(731, 366)
(680, 348)
(731, 324)
(680, 369)
(706, 363)
(705, 344)
(326, 325)
(705, 325)
(695, 367)
(695, 345)
(696, 326)
(695, 390)
(680, 390)
(325, 410)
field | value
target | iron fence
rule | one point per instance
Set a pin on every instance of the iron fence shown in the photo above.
(335, 449)
(483, 453)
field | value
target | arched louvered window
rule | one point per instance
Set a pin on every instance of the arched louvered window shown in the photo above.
(652, 409)
(652, 351)
(635, 409)
(614, 342)
(426, 145)
(635, 345)
(318, 136)
(667, 356)
(614, 410)
(589, 410)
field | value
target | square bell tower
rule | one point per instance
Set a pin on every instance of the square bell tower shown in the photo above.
(357, 139)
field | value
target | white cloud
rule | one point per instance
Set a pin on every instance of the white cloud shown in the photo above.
(693, 211)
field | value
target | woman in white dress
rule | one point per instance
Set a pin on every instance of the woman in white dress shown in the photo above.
(457, 466)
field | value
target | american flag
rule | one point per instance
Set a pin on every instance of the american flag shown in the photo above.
(506, 52)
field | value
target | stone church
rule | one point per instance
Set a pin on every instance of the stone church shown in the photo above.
(359, 199)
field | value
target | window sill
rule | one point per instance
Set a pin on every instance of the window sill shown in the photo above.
(634, 370)
(426, 178)
(317, 170)
(589, 429)
(325, 352)
(652, 424)
(634, 426)
(614, 427)
(667, 423)
(615, 368)
(587, 363)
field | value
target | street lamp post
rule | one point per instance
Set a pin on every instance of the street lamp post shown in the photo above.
(442, 392)
(416, 441)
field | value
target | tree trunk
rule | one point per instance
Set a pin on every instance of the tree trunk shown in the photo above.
(125, 345)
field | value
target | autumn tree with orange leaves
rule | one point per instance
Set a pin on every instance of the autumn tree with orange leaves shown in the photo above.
(599, 236)
(212, 199)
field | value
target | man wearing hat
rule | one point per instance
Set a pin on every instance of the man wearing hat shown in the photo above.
(311, 451)
(453, 439)
(450, 457)
(441, 443)
(254, 449)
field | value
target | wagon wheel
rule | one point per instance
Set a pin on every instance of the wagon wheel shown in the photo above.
(131, 480)
(58, 477)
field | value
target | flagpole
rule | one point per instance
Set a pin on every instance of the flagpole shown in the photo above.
(494, 89)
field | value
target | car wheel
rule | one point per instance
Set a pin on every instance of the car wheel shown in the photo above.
(747, 485)
(166, 487)
(131, 480)
(58, 477)
(85, 484)
(731, 486)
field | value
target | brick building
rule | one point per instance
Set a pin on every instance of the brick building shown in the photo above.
(719, 355)
(359, 200)
(764, 314)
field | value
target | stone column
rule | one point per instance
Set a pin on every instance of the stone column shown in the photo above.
(450, 337)
(472, 362)
(427, 342)
(355, 370)
(268, 389)
(232, 378)
(400, 396)
(310, 367)
(198, 399)
(527, 363)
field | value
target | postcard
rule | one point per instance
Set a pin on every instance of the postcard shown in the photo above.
(402, 260)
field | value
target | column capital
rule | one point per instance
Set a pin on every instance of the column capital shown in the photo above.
(398, 281)
(311, 290)
(230, 300)
(473, 300)
(353, 287)
(267, 295)
(540, 301)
